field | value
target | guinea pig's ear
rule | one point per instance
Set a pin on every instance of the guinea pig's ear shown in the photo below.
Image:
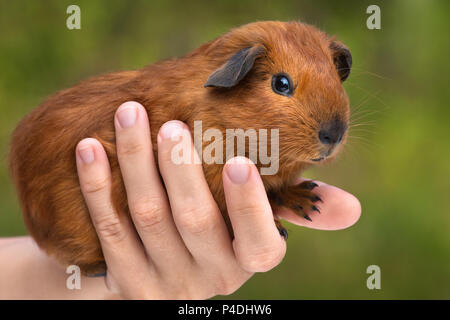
(342, 59)
(235, 69)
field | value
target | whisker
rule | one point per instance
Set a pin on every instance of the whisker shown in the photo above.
(364, 100)
(371, 94)
(362, 116)
(360, 71)
(362, 124)
(365, 143)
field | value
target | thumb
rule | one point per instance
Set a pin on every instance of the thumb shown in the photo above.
(339, 210)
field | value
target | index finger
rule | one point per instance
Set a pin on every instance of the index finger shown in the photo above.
(257, 242)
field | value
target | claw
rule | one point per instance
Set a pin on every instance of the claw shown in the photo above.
(317, 198)
(283, 232)
(307, 217)
(309, 185)
(314, 208)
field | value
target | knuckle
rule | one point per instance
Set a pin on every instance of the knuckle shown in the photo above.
(247, 210)
(110, 229)
(130, 148)
(95, 185)
(183, 288)
(225, 287)
(188, 292)
(262, 260)
(196, 219)
(148, 213)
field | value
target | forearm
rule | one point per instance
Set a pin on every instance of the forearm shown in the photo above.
(28, 273)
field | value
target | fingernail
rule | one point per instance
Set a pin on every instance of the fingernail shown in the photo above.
(171, 130)
(86, 154)
(127, 115)
(238, 170)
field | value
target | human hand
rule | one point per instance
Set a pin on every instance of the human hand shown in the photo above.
(177, 245)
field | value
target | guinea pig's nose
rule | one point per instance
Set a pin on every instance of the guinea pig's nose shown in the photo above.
(332, 132)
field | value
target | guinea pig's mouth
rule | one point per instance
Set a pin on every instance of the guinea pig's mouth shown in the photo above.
(324, 154)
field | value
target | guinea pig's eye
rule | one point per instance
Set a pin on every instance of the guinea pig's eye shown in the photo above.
(282, 84)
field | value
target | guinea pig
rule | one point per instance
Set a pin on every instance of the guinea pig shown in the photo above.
(263, 75)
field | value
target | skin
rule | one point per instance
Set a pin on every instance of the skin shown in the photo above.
(176, 244)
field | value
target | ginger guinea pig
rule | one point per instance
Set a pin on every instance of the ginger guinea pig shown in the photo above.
(264, 75)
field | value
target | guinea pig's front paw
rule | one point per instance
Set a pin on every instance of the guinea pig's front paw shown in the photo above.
(299, 198)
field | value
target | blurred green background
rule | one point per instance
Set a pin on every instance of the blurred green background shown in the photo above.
(396, 161)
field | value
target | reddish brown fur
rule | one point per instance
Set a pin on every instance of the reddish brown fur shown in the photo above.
(42, 157)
